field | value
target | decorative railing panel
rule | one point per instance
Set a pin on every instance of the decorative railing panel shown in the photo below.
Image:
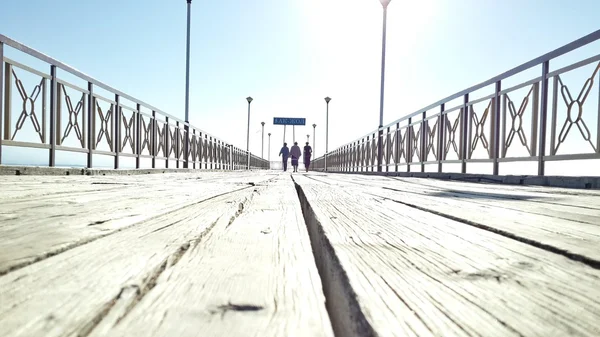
(551, 117)
(44, 111)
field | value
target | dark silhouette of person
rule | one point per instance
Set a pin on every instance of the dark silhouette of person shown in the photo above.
(295, 152)
(285, 152)
(307, 154)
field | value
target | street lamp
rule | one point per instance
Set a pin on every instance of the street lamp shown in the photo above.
(269, 149)
(262, 145)
(249, 99)
(327, 99)
(385, 4)
(187, 88)
(314, 127)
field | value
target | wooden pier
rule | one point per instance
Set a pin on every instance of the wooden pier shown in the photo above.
(306, 254)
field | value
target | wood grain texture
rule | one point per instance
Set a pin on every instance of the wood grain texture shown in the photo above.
(43, 216)
(252, 276)
(415, 273)
(78, 291)
(557, 219)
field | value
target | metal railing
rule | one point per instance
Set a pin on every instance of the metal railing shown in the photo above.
(488, 124)
(67, 117)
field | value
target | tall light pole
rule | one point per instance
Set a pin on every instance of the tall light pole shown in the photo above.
(262, 145)
(269, 149)
(249, 99)
(314, 128)
(385, 4)
(327, 99)
(186, 150)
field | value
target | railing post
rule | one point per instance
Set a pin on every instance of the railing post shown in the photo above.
(166, 135)
(496, 128)
(409, 144)
(196, 152)
(186, 145)
(153, 140)
(91, 125)
(543, 117)
(53, 117)
(220, 155)
(212, 153)
(387, 147)
(200, 149)
(597, 122)
(380, 149)
(138, 135)
(2, 113)
(117, 133)
(441, 137)
(397, 146)
(463, 133)
(424, 126)
(177, 144)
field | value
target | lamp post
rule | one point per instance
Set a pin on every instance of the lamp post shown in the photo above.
(314, 128)
(385, 4)
(327, 99)
(307, 137)
(262, 145)
(269, 149)
(249, 99)
(187, 88)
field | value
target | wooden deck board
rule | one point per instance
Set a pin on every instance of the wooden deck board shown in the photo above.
(71, 293)
(255, 276)
(560, 219)
(415, 273)
(38, 224)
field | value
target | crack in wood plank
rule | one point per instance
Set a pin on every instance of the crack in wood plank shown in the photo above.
(553, 249)
(345, 313)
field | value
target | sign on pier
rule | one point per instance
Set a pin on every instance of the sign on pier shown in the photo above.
(289, 121)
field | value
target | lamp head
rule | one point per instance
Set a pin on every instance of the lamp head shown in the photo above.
(249, 99)
(327, 99)
(262, 123)
(385, 3)
(314, 126)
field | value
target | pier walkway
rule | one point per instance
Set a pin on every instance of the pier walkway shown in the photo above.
(264, 253)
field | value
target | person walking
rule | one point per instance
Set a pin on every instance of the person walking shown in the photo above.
(307, 154)
(295, 152)
(285, 152)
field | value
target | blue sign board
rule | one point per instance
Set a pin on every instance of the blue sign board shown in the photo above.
(289, 121)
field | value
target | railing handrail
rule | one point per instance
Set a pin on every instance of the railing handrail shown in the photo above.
(52, 61)
(592, 37)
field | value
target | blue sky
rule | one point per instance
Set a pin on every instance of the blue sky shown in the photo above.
(289, 55)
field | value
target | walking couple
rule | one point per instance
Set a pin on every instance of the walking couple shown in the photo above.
(295, 154)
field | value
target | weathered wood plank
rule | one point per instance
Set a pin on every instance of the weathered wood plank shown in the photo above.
(546, 219)
(36, 187)
(70, 294)
(34, 228)
(254, 276)
(414, 273)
